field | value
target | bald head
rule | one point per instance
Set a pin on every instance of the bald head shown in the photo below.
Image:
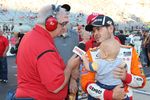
(111, 48)
(51, 10)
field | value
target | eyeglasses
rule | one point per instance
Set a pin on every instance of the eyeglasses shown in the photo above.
(63, 23)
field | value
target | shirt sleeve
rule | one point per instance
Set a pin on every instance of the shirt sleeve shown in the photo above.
(51, 70)
(97, 92)
(137, 75)
(93, 66)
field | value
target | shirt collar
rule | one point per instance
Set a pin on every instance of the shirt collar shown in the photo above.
(43, 32)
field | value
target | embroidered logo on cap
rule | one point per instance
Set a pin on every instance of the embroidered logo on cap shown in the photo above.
(109, 22)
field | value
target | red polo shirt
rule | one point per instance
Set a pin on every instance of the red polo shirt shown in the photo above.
(3, 44)
(40, 67)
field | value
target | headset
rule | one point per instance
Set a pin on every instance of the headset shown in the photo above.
(51, 21)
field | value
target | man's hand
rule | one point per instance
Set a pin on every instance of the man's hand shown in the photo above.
(118, 93)
(73, 88)
(85, 61)
(120, 72)
(73, 62)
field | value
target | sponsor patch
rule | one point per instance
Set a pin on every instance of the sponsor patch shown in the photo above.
(127, 53)
(95, 90)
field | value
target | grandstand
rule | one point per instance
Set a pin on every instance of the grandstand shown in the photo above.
(126, 13)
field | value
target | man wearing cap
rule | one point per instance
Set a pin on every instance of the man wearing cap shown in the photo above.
(42, 73)
(103, 28)
(92, 42)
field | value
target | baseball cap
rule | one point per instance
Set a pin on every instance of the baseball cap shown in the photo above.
(100, 20)
(91, 17)
(66, 6)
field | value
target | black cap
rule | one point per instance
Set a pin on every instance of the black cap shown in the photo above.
(100, 20)
(66, 6)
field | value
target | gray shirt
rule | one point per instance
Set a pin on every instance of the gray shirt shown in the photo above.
(66, 44)
(105, 72)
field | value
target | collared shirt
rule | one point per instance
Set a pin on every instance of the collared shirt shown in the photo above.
(65, 44)
(40, 67)
(3, 44)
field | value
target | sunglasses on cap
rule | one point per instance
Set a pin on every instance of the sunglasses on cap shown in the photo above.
(64, 23)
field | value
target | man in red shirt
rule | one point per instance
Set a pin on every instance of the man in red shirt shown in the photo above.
(42, 73)
(4, 45)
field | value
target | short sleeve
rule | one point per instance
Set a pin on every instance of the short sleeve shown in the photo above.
(51, 70)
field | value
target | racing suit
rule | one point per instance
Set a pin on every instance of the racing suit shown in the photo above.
(134, 78)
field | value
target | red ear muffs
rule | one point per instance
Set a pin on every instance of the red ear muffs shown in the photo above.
(51, 23)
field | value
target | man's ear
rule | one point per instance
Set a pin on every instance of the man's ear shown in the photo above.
(111, 29)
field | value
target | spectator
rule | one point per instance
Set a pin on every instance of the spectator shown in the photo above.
(80, 29)
(122, 37)
(85, 36)
(65, 44)
(42, 73)
(19, 32)
(147, 47)
(143, 54)
(4, 46)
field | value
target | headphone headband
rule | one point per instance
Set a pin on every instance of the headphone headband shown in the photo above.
(55, 9)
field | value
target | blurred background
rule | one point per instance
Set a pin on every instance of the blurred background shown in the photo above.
(130, 16)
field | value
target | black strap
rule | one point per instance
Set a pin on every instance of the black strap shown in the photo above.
(44, 53)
